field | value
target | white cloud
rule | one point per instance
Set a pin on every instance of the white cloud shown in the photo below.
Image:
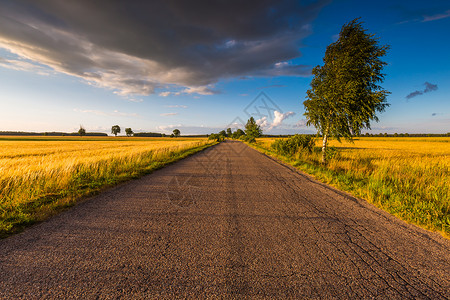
(199, 90)
(168, 114)
(262, 122)
(300, 124)
(279, 118)
(164, 94)
(22, 65)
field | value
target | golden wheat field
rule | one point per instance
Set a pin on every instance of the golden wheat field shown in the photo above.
(407, 176)
(39, 175)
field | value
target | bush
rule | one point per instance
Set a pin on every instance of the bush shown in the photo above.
(218, 137)
(292, 145)
(248, 138)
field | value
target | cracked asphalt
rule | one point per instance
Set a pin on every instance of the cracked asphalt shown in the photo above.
(226, 223)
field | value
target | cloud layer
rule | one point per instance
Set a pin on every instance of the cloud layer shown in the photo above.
(136, 47)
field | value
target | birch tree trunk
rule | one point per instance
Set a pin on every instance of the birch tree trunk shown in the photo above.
(324, 148)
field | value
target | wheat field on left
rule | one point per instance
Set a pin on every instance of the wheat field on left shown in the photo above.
(39, 176)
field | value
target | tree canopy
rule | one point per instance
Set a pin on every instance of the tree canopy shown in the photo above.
(115, 129)
(345, 95)
(82, 131)
(176, 132)
(129, 131)
(252, 130)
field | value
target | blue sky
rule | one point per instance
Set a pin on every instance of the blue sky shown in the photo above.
(203, 67)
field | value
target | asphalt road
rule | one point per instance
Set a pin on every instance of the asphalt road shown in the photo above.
(226, 223)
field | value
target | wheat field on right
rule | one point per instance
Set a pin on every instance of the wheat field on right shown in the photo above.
(407, 176)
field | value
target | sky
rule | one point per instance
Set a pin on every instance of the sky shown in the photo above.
(204, 66)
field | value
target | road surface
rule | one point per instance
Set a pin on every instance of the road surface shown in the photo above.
(226, 223)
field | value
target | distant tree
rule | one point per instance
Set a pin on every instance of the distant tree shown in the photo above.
(238, 133)
(396, 134)
(252, 130)
(115, 129)
(129, 132)
(215, 136)
(176, 132)
(172, 135)
(229, 132)
(81, 131)
(345, 94)
(223, 133)
(45, 133)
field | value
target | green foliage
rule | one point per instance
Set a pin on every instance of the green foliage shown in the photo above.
(149, 134)
(345, 94)
(176, 132)
(217, 137)
(81, 131)
(223, 133)
(238, 133)
(115, 129)
(229, 132)
(252, 130)
(129, 132)
(248, 138)
(293, 144)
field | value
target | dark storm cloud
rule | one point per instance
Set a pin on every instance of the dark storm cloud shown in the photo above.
(429, 87)
(137, 46)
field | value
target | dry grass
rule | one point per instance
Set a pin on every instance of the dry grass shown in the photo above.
(409, 177)
(39, 176)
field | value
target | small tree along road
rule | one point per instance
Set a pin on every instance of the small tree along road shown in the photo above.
(252, 130)
(176, 133)
(115, 129)
(345, 94)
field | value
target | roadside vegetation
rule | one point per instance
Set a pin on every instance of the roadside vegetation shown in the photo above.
(408, 177)
(39, 176)
(252, 131)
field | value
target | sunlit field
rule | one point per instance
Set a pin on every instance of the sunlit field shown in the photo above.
(40, 175)
(409, 177)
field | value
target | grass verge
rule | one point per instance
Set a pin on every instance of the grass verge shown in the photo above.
(414, 188)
